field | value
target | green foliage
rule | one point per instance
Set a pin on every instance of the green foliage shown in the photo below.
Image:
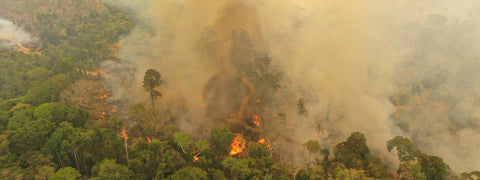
(236, 168)
(222, 137)
(410, 170)
(31, 136)
(36, 165)
(433, 166)
(37, 74)
(216, 174)
(20, 118)
(202, 146)
(151, 81)
(43, 93)
(67, 173)
(405, 148)
(312, 146)
(182, 140)
(377, 169)
(45, 111)
(193, 173)
(348, 174)
(258, 151)
(302, 174)
(353, 152)
(317, 173)
(65, 66)
(109, 169)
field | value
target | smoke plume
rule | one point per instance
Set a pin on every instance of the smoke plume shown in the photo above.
(10, 34)
(382, 68)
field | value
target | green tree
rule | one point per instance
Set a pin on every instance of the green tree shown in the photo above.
(109, 169)
(36, 165)
(236, 168)
(348, 174)
(74, 141)
(353, 152)
(40, 94)
(151, 81)
(302, 174)
(182, 140)
(54, 147)
(406, 151)
(65, 66)
(67, 173)
(216, 174)
(312, 146)
(410, 170)
(44, 111)
(222, 137)
(433, 167)
(37, 75)
(193, 173)
(202, 146)
(31, 136)
(317, 173)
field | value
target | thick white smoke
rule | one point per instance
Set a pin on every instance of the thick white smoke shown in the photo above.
(10, 34)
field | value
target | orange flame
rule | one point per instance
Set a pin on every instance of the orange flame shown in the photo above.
(195, 158)
(103, 113)
(124, 135)
(258, 100)
(104, 96)
(149, 140)
(237, 145)
(289, 127)
(261, 141)
(113, 111)
(256, 122)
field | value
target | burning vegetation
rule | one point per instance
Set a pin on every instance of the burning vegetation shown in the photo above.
(239, 89)
(237, 145)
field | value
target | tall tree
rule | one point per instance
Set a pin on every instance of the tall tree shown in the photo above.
(151, 81)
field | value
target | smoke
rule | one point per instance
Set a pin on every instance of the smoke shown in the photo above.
(10, 34)
(358, 66)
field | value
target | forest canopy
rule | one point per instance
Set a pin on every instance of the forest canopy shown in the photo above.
(101, 89)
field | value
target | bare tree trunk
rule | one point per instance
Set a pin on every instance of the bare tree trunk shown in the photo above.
(153, 103)
(74, 150)
(60, 159)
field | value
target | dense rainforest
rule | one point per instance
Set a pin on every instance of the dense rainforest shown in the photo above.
(58, 120)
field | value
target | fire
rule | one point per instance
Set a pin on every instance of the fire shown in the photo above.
(104, 96)
(113, 111)
(237, 145)
(124, 135)
(289, 127)
(195, 156)
(256, 122)
(149, 140)
(258, 100)
(261, 141)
